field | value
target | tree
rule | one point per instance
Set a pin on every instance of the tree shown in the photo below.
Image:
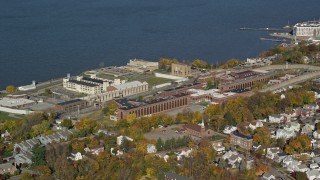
(159, 144)
(38, 155)
(222, 163)
(26, 176)
(110, 108)
(262, 136)
(11, 89)
(299, 144)
(281, 142)
(230, 63)
(200, 64)
(67, 123)
(301, 176)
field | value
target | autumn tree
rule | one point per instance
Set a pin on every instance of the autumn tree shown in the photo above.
(299, 144)
(165, 63)
(86, 126)
(230, 63)
(11, 89)
(66, 123)
(262, 136)
(110, 107)
(200, 64)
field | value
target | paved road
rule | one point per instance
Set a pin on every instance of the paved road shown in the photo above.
(290, 66)
(296, 80)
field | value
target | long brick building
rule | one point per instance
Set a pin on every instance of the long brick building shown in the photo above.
(147, 108)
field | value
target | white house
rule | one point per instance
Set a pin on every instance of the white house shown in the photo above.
(233, 157)
(255, 124)
(314, 166)
(151, 148)
(120, 139)
(285, 133)
(272, 152)
(268, 176)
(276, 118)
(96, 150)
(291, 164)
(75, 156)
(302, 168)
(316, 134)
(307, 129)
(313, 174)
(218, 147)
(292, 126)
(229, 129)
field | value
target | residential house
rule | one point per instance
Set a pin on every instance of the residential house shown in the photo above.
(276, 118)
(268, 176)
(151, 148)
(302, 168)
(279, 157)
(95, 150)
(308, 129)
(233, 157)
(290, 164)
(184, 153)
(255, 124)
(292, 126)
(5, 135)
(313, 174)
(9, 168)
(120, 139)
(24, 157)
(282, 133)
(314, 166)
(229, 129)
(218, 147)
(25, 145)
(76, 156)
(241, 140)
(272, 152)
(118, 153)
(316, 134)
(255, 147)
(303, 112)
(313, 107)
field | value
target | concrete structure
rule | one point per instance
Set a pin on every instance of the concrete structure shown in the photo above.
(72, 105)
(96, 150)
(15, 103)
(121, 90)
(75, 156)
(7, 168)
(307, 29)
(148, 108)
(241, 140)
(140, 66)
(28, 87)
(182, 70)
(120, 139)
(89, 85)
(151, 148)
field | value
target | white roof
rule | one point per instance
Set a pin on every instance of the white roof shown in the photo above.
(128, 85)
(8, 102)
(27, 87)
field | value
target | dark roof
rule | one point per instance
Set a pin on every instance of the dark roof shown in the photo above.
(181, 87)
(82, 83)
(92, 80)
(174, 176)
(194, 127)
(239, 90)
(236, 133)
(69, 102)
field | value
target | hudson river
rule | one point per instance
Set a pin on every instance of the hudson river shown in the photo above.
(45, 39)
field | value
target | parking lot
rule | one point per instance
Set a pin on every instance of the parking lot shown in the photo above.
(165, 133)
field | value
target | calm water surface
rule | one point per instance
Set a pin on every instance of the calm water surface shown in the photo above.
(45, 39)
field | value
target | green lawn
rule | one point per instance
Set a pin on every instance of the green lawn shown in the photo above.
(217, 137)
(157, 80)
(5, 116)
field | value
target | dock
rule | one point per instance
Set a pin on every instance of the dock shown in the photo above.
(273, 40)
(262, 29)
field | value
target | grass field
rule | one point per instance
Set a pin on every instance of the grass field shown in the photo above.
(5, 116)
(157, 80)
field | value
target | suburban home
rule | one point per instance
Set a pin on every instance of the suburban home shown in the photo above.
(5, 135)
(241, 140)
(290, 163)
(218, 147)
(165, 157)
(117, 153)
(313, 107)
(272, 152)
(196, 130)
(313, 174)
(303, 112)
(302, 168)
(184, 153)
(282, 133)
(229, 129)
(75, 156)
(279, 157)
(255, 124)
(314, 166)
(308, 129)
(255, 147)
(276, 118)
(120, 139)
(292, 126)
(96, 150)
(233, 158)
(268, 176)
(316, 134)
(9, 168)
(25, 145)
(23, 158)
(151, 148)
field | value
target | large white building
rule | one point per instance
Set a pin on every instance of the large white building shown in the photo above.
(89, 85)
(307, 29)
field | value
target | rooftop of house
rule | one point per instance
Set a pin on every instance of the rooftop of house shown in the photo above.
(238, 134)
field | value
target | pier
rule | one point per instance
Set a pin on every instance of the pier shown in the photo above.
(274, 40)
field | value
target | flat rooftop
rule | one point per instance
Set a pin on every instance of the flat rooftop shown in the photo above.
(9, 102)
(69, 102)
(82, 83)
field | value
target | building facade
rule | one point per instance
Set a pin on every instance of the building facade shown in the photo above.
(307, 29)
(182, 70)
(149, 108)
(72, 105)
(241, 140)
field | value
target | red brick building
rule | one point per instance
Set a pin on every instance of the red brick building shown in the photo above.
(241, 140)
(197, 131)
(144, 108)
(180, 89)
(72, 105)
